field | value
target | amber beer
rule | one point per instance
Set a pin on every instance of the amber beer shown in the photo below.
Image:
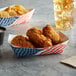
(63, 10)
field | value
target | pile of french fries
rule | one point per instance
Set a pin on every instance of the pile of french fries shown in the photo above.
(15, 10)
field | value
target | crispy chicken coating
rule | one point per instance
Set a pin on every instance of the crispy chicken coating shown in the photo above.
(22, 41)
(39, 40)
(50, 33)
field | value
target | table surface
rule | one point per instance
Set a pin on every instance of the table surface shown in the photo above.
(48, 65)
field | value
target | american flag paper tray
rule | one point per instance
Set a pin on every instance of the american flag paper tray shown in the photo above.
(20, 52)
(10, 21)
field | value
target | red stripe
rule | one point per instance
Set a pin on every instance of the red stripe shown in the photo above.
(62, 49)
(54, 50)
(23, 21)
(24, 18)
(20, 20)
(47, 50)
(17, 20)
(58, 49)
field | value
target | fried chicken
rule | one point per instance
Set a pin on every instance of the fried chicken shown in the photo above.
(39, 40)
(50, 33)
(22, 41)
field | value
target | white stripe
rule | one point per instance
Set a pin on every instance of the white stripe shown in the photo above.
(21, 52)
(62, 49)
(52, 49)
(47, 49)
(1, 20)
(58, 49)
(18, 52)
(41, 51)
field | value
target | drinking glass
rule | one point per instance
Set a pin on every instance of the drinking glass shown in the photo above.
(64, 14)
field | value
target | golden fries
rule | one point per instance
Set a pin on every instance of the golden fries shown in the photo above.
(4, 14)
(19, 9)
(15, 10)
(11, 12)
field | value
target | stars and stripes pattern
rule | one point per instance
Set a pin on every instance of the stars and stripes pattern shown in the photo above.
(20, 52)
(16, 20)
(52, 50)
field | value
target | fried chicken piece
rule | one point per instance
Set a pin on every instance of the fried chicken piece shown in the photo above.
(22, 41)
(39, 40)
(50, 33)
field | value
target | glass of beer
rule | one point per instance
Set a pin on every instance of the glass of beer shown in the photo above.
(64, 14)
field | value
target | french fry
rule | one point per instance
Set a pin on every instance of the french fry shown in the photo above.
(4, 14)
